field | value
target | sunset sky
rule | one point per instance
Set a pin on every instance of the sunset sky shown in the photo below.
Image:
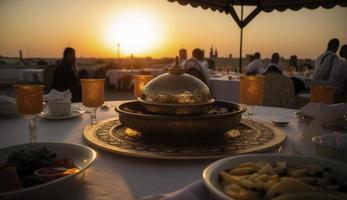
(158, 28)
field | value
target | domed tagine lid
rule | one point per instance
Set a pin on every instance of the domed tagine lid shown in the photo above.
(176, 87)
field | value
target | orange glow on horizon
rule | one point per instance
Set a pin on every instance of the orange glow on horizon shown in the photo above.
(159, 28)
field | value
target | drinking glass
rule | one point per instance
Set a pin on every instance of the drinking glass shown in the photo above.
(93, 95)
(251, 91)
(29, 104)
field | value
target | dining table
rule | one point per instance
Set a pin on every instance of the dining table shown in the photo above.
(23, 75)
(225, 88)
(114, 176)
(306, 79)
(30, 75)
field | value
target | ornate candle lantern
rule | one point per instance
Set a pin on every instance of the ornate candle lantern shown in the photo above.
(252, 90)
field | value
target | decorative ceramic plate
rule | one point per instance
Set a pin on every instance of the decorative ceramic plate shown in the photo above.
(82, 156)
(248, 137)
(75, 112)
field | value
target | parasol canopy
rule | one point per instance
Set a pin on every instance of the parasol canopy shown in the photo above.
(227, 7)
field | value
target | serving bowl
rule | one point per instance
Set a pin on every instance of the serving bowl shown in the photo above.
(211, 173)
(326, 146)
(82, 156)
(134, 116)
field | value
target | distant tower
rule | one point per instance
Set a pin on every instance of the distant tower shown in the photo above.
(118, 55)
(213, 54)
(20, 56)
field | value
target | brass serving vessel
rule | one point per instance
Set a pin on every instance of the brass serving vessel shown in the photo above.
(133, 115)
(176, 93)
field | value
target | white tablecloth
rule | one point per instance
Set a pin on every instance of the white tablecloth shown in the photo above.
(119, 177)
(28, 75)
(224, 89)
(21, 74)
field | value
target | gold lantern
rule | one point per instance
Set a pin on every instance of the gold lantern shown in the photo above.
(139, 83)
(322, 94)
(252, 90)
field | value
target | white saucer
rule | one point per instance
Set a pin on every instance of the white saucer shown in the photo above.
(74, 113)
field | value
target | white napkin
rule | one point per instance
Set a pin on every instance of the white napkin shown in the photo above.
(194, 191)
(55, 95)
(324, 112)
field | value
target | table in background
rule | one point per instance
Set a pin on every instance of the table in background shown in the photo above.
(120, 177)
(306, 79)
(25, 75)
(116, 74)
(31, 75)
(224, 89)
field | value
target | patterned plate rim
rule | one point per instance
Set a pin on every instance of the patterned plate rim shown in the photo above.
(88, 134)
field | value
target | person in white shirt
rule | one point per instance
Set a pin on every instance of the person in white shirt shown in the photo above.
(206, 71)
(182, 53)
(198, 67)
(273, 65)
(182, 58)
(256, 66)
(326, 65)
(339, 79)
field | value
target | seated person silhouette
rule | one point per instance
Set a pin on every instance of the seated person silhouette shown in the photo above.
(340, 78)
(327, 64)
(197, 67)
(255, 65)
(64, 77)
(273, 66)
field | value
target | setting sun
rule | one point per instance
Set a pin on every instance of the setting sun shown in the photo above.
(135, 31)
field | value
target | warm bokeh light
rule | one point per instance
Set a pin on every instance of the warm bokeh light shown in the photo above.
(136, 32)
